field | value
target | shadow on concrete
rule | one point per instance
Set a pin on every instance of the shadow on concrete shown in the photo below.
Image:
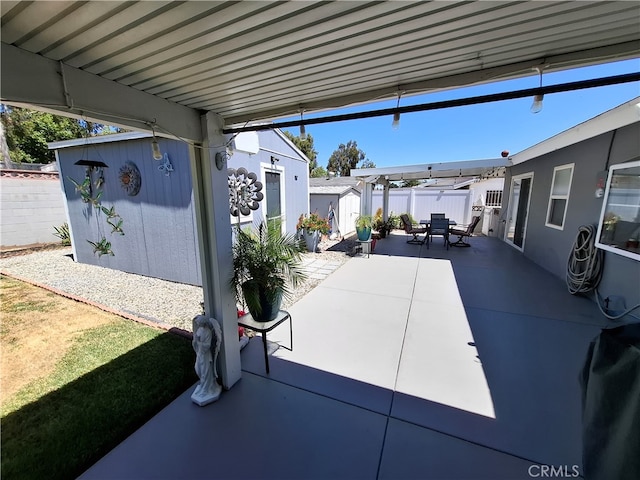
(498, 315)
(271, 427)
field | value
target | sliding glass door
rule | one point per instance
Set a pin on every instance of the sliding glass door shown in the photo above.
(519, 199)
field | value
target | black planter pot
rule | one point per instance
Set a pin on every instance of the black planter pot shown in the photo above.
(268, 303)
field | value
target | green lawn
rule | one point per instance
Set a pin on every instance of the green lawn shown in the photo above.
(110, 381)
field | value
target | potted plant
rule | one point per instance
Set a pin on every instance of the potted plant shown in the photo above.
(382, 227)
(379, 224)
(394, 222)
(266, 264)
(312, 227)
(364, 224)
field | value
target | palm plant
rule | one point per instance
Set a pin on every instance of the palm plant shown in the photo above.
(266, 264)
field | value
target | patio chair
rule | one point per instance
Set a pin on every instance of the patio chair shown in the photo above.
(464, 232)
(414, 230)
(437, 215)
(440, 226)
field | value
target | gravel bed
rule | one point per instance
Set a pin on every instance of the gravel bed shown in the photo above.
(160, 301)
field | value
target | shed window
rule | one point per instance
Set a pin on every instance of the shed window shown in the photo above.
(559, 196)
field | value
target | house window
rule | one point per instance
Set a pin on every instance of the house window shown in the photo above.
(619, 226)
(559, 196)
(494, 198)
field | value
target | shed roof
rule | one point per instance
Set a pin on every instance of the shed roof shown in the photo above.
(331, 189)
(116, 137)
(332, 180)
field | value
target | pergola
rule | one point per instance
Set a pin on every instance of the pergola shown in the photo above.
(187, 70)
(465, 171)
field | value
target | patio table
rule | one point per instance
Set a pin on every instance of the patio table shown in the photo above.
(248, 321)
(452, 223)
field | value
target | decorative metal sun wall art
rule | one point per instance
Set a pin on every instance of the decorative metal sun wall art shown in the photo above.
(244, 191)
(130, 178)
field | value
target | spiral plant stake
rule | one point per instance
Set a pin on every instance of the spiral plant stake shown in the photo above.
(244, 191)
(244, 196)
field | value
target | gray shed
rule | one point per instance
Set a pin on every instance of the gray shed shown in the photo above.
(155, 199)
(340, 193)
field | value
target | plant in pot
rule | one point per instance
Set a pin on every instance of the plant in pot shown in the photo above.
(312, 227)
(382, 227)
(266, 264)
(379, 224)
(364, 224)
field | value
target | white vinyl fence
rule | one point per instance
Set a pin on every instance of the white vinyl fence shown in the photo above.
(421, 203)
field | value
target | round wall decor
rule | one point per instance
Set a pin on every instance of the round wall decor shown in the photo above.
(130, 179)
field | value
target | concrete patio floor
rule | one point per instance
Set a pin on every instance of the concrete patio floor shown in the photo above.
(412, 363)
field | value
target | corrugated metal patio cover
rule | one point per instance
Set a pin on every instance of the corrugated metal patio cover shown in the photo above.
(254, 60)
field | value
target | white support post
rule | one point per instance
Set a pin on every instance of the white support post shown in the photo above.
(412, 201)
(211, 195)
(385, 202)
(366, 199)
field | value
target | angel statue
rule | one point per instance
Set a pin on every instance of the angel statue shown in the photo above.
(207, 338)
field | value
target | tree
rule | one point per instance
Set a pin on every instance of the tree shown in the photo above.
(27, 132)
(347, 157)
(410, 183)
(367, 164)
(306, 146)
(318, 172)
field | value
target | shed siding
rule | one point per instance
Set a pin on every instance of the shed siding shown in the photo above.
(551, 247)
(319, 203)
(349, 211)
(296, 174)
(159, 223)
(159, 239)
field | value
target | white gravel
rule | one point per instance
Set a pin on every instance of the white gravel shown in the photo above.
(160, 301)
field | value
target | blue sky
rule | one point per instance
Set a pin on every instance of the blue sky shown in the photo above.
(476, 131)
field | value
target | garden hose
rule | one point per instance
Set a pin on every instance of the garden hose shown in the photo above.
(584, 268)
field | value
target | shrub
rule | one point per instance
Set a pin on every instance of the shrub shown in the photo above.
(62, 232)
(313, 223)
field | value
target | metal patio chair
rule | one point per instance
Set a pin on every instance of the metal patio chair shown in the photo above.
(464, 232)
(414, 230)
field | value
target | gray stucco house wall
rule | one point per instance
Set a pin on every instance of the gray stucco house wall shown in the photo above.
(550, 247)
(160, 238)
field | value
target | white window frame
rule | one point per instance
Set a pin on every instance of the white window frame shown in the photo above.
(511, 212)
(564, 197)
(606, 204)
(267, 167)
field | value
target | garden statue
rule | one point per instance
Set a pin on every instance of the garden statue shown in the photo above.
(207, 338)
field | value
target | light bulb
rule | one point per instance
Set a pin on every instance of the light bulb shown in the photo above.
(396, 121)
(155, 148)
(536, 106)
(303, 132)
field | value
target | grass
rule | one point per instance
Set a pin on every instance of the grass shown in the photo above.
(107, 380)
